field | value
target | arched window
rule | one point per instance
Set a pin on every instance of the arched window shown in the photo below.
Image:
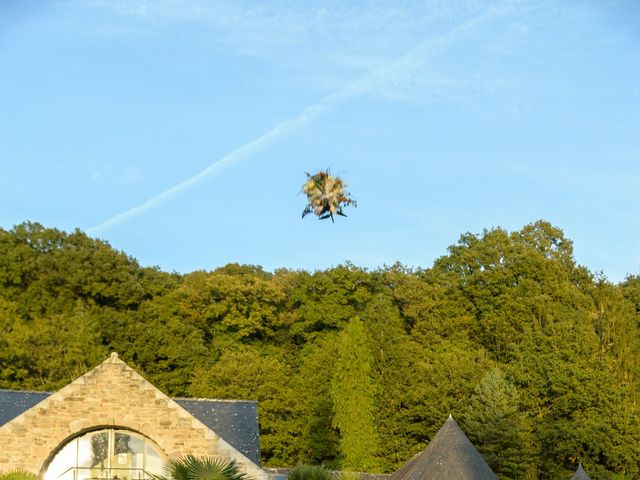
(108, 454)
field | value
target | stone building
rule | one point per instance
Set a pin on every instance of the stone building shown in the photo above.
(111, 423)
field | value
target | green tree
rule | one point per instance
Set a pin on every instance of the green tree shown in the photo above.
(317, 439)
(247, 372)
(502, 432)
(48, 271)
(580, 411)
(159, 340)
(631, 291)
(566, 340)
(45, 353)
(615, 323)
(239, 304)
(508, 283)
(327, 300)
(353, 391)
(400, 373)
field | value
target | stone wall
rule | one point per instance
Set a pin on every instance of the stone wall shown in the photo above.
(110, 395)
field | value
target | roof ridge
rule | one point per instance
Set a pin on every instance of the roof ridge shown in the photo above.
(228, 400)
(199, 399)
(25, 391)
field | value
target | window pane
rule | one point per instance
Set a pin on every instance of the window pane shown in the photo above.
(137, 453)
(127, 461)
(154, 461)
(93, 451)
(106, 455)
(62, 465)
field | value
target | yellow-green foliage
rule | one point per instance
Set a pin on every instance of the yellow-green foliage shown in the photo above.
(310, 472)
(565, 340)
(353, 392)
(348, 475)
(191, 467)
(18, 475)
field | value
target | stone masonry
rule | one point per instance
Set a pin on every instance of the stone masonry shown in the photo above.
(110, 395)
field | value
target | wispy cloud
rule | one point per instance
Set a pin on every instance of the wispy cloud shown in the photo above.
(344, 34)
(327, 44)
(379, 80)
(266, 25)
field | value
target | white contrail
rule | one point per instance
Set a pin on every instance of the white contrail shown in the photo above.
(401, 66)
(236, 155)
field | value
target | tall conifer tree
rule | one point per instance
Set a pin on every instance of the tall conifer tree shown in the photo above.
(502, 433)
(353, 391)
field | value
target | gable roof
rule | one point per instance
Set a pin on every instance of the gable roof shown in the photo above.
(580, 474)
(112, 393)
(449, 456)
(236, 421)
(14, 402)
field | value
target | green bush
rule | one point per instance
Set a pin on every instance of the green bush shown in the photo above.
(348, 475)
(310, 472)
(190, 467)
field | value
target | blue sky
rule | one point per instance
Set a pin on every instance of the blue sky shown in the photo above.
(180, 130)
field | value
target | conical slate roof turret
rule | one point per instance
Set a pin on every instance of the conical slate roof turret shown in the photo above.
(449, 456)
(580, 474)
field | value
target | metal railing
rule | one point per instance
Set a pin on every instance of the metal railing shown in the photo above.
(113, 473)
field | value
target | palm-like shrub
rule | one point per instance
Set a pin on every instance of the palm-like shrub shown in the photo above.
(326, 195)
(18, 475)
(310, 472)
(191, 467)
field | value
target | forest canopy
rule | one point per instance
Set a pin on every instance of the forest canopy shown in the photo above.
(537, 357)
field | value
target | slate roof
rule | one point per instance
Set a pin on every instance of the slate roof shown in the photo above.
(449, 456)
(236, 421)
(580, 474)
(14, 402)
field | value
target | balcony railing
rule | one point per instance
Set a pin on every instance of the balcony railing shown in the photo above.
(114, 473)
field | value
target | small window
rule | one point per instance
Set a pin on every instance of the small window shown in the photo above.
(107, 455)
